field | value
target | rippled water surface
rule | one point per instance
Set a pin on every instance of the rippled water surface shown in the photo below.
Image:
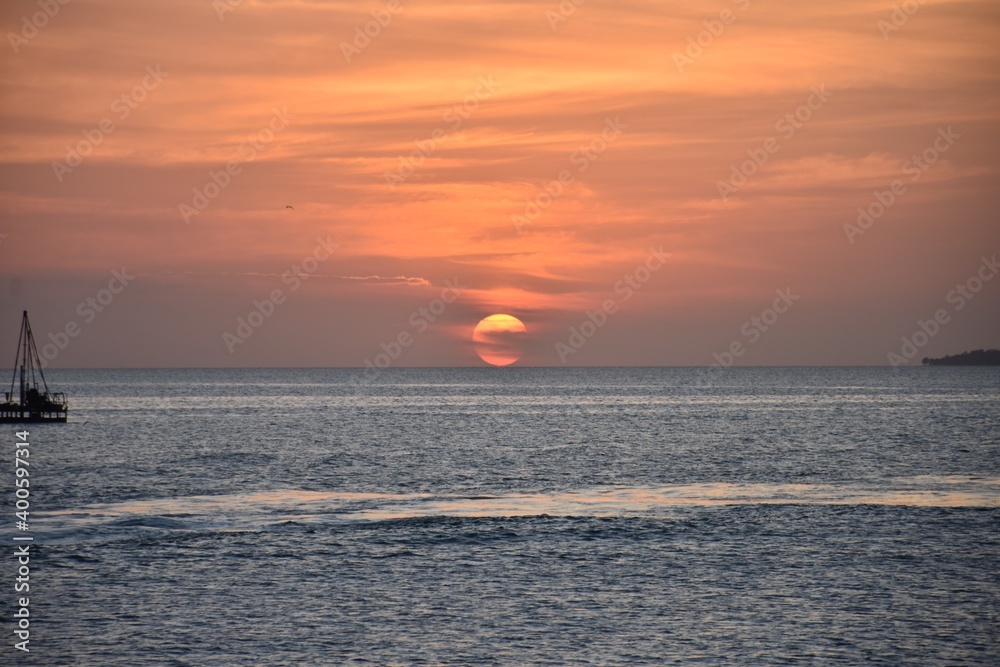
(516, 517)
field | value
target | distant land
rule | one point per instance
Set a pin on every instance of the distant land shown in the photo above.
(973, 358)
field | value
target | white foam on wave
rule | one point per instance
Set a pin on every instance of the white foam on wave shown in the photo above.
(648, 500)
(261, 509)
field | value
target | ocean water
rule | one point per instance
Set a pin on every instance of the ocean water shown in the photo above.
(617, 516)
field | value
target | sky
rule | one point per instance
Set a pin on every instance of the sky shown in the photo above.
(191, 183)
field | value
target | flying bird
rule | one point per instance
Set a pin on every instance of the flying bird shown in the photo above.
(291, 207)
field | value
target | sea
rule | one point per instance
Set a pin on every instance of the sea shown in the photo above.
(511, 516)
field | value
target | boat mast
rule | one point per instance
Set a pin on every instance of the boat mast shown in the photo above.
(24, 356)
(19, 360)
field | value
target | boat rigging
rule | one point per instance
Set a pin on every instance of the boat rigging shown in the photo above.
(31, 404)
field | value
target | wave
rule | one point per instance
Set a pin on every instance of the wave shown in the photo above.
(292, 509)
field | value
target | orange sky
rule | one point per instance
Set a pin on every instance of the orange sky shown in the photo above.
(496, 102)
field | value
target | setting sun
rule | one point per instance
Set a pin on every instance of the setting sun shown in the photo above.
(499, 339)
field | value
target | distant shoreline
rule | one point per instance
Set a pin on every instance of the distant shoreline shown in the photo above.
(973, 358)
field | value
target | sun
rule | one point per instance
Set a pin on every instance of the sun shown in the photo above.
(499, 339)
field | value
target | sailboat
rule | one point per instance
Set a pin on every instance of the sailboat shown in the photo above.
(31, 405)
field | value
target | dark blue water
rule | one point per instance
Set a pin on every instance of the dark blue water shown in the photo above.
(516, 517)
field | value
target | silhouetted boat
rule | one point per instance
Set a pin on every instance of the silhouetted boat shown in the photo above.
(32, 405)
